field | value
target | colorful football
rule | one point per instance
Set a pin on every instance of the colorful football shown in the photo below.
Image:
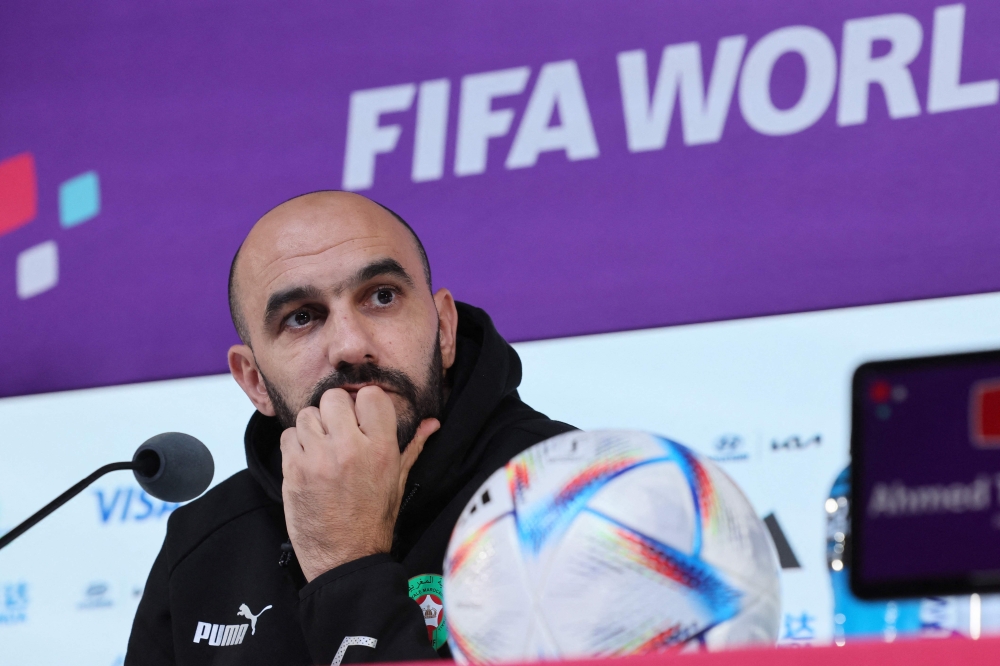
(605, 543)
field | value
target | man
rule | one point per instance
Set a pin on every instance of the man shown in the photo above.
(381, 408)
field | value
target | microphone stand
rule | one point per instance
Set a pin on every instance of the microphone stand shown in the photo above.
(144, 465)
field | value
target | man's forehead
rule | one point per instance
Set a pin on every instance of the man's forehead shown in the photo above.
(325, 234)
(313, 222)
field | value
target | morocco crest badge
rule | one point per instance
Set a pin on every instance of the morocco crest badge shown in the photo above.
(426, 590)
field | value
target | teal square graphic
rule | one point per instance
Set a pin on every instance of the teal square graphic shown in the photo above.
(79, 199)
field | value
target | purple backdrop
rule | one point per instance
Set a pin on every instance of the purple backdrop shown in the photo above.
(198, 118)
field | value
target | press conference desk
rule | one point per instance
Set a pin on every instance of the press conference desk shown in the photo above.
(943, 651)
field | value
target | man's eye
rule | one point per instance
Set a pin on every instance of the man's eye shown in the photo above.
(299, 319)
(384, 296)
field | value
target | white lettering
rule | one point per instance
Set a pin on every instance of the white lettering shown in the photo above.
(477, 121)
(703, 116)
(202, 631)
(432, 130)
(558, 89)
(220, 634)
(858, 69)
(946, 92)
(232, 631)
(365, 137)
(896, 499)
(820, 60)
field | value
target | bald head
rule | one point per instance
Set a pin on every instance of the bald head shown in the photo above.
(308, 225)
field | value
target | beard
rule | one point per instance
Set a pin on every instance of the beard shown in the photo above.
(423, 402)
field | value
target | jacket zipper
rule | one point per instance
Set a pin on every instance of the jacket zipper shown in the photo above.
(406, 500)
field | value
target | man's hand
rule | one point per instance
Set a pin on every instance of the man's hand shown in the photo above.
(344, 477)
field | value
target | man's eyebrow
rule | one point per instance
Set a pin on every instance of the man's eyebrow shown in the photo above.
(378, 268)
(280, 299)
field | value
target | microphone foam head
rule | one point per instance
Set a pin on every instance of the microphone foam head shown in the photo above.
(174, 467)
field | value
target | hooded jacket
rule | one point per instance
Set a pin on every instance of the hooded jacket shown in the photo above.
(226, 589)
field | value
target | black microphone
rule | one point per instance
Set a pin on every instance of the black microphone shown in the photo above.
(172, 467)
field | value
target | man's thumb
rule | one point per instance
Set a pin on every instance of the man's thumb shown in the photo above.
(426, 428)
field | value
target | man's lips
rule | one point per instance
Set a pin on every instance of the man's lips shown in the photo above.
(352, 389)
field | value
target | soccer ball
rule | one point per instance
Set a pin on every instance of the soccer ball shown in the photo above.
(607, 543)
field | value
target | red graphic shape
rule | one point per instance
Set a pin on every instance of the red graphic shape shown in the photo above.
(880, 391)
(18, 192)
(984, 414)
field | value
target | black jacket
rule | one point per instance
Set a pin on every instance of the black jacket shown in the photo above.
(219, 564)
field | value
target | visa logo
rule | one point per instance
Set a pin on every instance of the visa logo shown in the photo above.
(15, 603)
(130, 504)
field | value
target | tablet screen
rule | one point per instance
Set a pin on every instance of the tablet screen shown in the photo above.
(926, 455)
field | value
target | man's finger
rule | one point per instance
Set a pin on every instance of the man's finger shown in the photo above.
(309, 423)
(376, 415)
(337, 411)
(291, 451)
(290, 443)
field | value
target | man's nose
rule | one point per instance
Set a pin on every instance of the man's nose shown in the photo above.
(349, 340)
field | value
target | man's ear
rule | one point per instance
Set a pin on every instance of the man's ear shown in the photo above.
(447, 326)
(244, 369)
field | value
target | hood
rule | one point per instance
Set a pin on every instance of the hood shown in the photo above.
(486, 370)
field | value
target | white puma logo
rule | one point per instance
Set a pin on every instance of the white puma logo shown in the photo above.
(245, 612)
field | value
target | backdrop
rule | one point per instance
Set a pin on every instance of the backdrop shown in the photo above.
(579, 169)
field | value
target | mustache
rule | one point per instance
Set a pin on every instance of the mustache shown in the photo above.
(365, 373)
